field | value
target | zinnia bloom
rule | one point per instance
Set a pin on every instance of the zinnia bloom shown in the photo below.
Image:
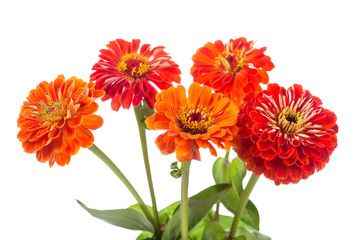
(57, 117)
(126, 73)
(197, 121)
(232, 69)
(285, 134)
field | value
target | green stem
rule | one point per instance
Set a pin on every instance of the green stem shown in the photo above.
(184, 203)
(242, 204)
(227, 155)
(142, 133)
(217, 215)
(94, 149)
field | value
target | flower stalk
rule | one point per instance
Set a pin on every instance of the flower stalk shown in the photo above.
(227, 155)
(184, 203)
(142, 132)
(94, 149)
(242, 204)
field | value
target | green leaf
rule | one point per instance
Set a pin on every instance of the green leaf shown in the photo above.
(251, 216)
(139, 209)
(125, 218)
(237, 174)
(234, 172)
(225, 222)
(146, 111)
(145, 236)
(214, 231)
(221, 174)
(246, 234)
(221, 171)
(166, 213)
(199, 205)
(196, 233)
(176, 173)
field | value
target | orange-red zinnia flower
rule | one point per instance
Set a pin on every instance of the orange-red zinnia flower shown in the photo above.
(285, 134)
(126, 73)
(193, 122)
(233, 69)
(57, 117)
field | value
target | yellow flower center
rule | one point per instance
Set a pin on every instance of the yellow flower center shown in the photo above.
(52, 112)
(231, 60)
(133, 65)
(195, 119)
(290, 121)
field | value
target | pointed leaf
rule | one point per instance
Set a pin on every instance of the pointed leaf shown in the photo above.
(196, 233)
(199, 205)
(237, 174)
(251, 216)
(221, 174)
(139, 209)
(234, 172)
(125, 218)
(214, 231)
(221, 171)
(166, 213)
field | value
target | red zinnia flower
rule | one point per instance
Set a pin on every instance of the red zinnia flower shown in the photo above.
(57, 117)
(126, 74)
(285, 134)
(193, 122)
(232, 69)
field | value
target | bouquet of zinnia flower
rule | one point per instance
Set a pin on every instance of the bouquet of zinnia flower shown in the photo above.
(282, 133)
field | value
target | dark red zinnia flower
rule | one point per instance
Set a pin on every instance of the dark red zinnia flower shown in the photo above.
(285, 134)
(232, 69)
(126, 73)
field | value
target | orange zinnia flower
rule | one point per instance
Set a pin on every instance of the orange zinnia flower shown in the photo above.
(126, 73)
(193, 122)
(57, 117)
(232, 69)
(285, 134)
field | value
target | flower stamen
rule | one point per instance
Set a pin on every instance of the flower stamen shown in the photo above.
(195, 120)
(133, 65)
(290, 121)
(231, 60)
(50, 112)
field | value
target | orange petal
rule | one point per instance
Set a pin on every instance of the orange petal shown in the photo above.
(88, 110)
(220, 105)
(69, 132)
(58, 143)
(205, 96)
(74, 121)
(44, 154)
(41, 142)
(29, 147)
(85, 137)
(202, 144)
(185, 149)
(165, 144)
(194, 93)
(92, 121)
(212, 150)
(62, 159)
(23, 135)
(54, 133)
(70, 146)
(157, 121)
(181, 95)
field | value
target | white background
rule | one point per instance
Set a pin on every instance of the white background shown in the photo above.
(310, 42)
